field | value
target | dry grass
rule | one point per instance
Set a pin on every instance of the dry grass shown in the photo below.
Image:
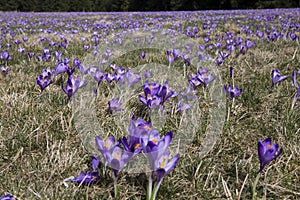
(40, 145)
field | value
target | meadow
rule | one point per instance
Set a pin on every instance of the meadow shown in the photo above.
(49, 118)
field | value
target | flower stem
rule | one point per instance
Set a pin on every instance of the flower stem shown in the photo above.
(116, 188)
(149, 189)
(157, 185)
(254, 187)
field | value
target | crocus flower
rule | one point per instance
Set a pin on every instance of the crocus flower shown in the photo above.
(194, 81)
(267, 152)
(142, 55)
(223, 54)
(73, 84)
(114, 104)
(164, 166)
(98, 75)
(276, 77)
(62, 67)
(155, 147)
(151, 99)
(117, 159)
(170, 56)
(106, 146)
(249, 44)
(4, 70)
(110, 77)
(147, 74)
(44, 79)
(83, 69)
(138, 134)
(86, 47)
(182, 106)
(204, 77)
(30, 54)
(89, 176)
(219, 60)
(8, 197)
(132, 77)
(5, 55)
(233, 91)
(165, 93)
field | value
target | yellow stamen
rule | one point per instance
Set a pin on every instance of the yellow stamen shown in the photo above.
(137, 146)
(154, 140)
(163, 163)
(117, 155)
(147, 128)
(151, 87)
(269, 146)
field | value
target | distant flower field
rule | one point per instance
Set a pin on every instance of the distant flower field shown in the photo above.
(150, 105)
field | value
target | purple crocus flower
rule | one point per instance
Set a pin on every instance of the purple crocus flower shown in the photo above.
(86, 47)
(106, 146)
(5, 55)
(182, 106)
(138, 135)
(76, 62)
(30, 54)
(219, 61)
(249, 44)
(61, 68)
(233, 91)
(164, 166)
(204, 77)
(44, 79)
(142, 55)
(114, 104)
(4, 70)
(8, 197)
(151, 99)
(132, 77)
(155, 147)
(193, 80)
(21, 50)
(98, 75)
(165, 93)
(57, 55)
(223, 54)
(117, 159)
(276, 77)
(147, 74)
(89, 176)
(110, 77)
(170, 57)
(157, 153)
(73, 84)
(267, 152)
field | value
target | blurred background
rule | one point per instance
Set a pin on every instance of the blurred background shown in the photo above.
(138, 5)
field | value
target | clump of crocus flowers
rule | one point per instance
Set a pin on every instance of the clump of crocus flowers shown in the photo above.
(202, 77)
(156, 94)
(117, 153)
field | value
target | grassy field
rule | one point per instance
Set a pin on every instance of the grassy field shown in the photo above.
(40, 145)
